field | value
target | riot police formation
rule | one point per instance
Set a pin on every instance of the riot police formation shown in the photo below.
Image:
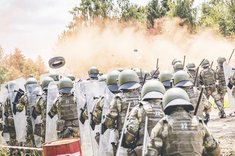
(208, 78)
(66, 107)
(148, 111)
(180, 133)
(119, 114)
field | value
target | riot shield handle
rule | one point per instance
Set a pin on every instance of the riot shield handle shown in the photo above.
(231, 56)
(123, 128)
(199, 100)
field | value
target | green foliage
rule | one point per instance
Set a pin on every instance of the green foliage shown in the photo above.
(15, 65)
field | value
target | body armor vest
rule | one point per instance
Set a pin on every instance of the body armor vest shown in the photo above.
(154, 113)
(183, 136)
(208, 77)
(221, 76)
(67, 108)
(123, 109)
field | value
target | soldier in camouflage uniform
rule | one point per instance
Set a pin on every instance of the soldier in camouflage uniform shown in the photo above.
(150, 107)
(24, 103)
(9, 126)
(221, 87)
(179, 133)
(41, 109)
(191, 70)
(208, 78)
(182, 80)
(93, 73)
(178, 66)
(129, 85)
(165, 77)
(66, 108)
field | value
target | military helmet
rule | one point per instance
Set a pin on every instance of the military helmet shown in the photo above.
(154, 73)
(111, 81)
(165, 77)
(176, 97)
(93, 72)
(128, 79)
(181, 79)
(174, 61)
(191, 66)
(45, 82)
(55, 77)
(178, 66)
(152, 89)
(102, 78)
(72, 77)
(221, 60)
(65, 85)
(205, 63)
(120, 69)
(31, 80)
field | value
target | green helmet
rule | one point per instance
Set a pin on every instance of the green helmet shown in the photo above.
(165, 77)
(93, 72)
(140, 73)
(152, 89)
(181, 79)
(55, 77)
(65, 85)
(176, 97)
(191, 66)
(128, 79)
(174, 61)
(221, 60)
(178, 66)
(102, 78)
(154, 73)
(72, 77)
(31, 80)
(205, 63)
(45, 82)
(111, 80)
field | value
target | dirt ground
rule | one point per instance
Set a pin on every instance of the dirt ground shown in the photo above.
(224, 131)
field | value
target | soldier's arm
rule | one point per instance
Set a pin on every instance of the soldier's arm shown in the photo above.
(22, 103)
(39, 105)
(211, 146)
(97, 110)
(54, 109)
(112, 114)
(155, 145)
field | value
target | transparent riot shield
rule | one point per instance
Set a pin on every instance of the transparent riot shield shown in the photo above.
(33, 93)
(87, 92)
(105, 147)
(15, 93)
(227, 73)
(86, 143)
(52, 94)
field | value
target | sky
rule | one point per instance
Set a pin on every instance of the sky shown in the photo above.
(34, 25)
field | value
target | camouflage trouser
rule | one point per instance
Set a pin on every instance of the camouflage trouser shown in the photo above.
(212, 91)
(222, 90)
(13, 142)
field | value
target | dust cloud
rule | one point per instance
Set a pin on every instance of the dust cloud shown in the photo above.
(113, 45)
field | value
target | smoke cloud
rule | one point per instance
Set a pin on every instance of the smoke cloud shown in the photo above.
(113, 45)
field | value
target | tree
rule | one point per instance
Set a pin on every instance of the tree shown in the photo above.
(184, 9)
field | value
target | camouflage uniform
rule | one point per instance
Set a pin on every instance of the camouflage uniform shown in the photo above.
(128, 82)
(40, 109)
(66, 108)
(208, 79)
(23, 103)
(182, 80)
(191, 70)
(221, 87)
(9, 126)
(149, 109)
(179, 133)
